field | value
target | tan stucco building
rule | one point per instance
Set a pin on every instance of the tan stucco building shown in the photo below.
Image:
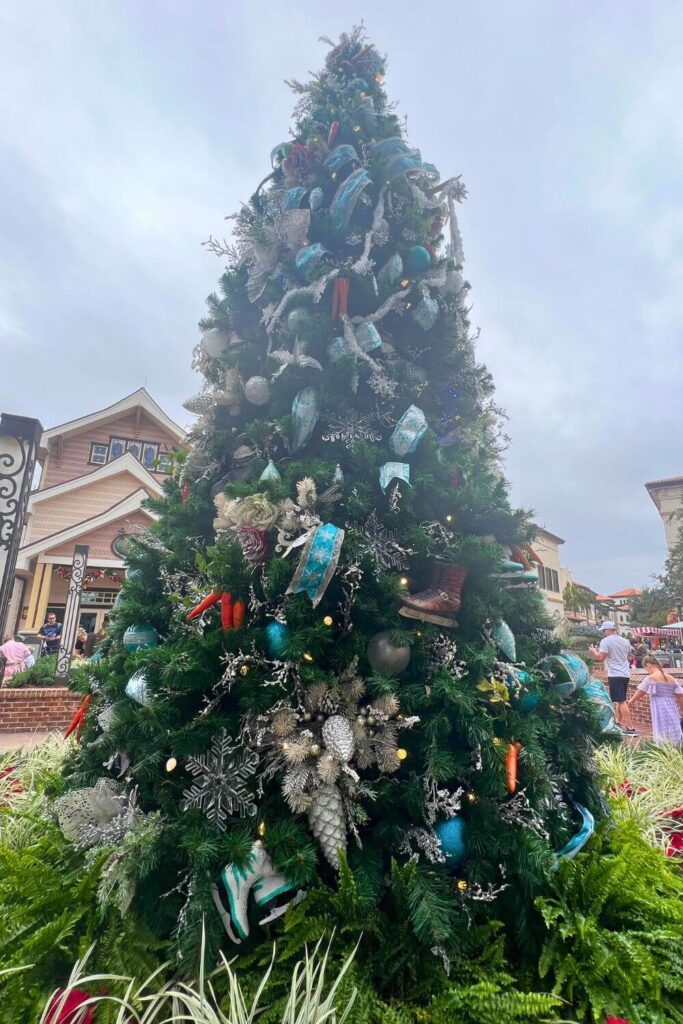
(96, 472)
(551, 575)
(668, 498)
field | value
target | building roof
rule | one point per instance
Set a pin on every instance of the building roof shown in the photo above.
(553, 536)
(137, 399)
(126, 463)
(132, 503)
(666, 482)
(629, 592)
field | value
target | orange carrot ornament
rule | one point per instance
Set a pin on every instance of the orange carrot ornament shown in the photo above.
(207, 602)
(238, 613)
(78, 720)
(511, 765)
(226, 611)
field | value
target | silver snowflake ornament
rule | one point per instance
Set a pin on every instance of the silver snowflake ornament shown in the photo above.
(349, 427)
(375, 540)
(220, 787)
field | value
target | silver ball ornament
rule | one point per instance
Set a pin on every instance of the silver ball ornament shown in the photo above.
(386, 657)
(257, 391)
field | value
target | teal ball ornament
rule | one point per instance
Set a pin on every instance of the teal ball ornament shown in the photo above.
(277, 638)
(451, 835)
(140, 637)
(528, 703)
(386, 657)
(417, 259)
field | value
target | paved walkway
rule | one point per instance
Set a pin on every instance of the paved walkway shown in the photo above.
(21, 740)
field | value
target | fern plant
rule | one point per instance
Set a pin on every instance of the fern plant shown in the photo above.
(615, 931)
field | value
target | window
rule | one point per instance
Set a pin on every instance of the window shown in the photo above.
(135, 448)
(117, 447)
(99, 453)
(164, 464)
(548, 579)
(149, 454)
(103, 598)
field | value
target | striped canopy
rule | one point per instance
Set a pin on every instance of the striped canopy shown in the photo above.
(654, 631)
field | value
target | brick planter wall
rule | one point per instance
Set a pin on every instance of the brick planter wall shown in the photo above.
(37, 707)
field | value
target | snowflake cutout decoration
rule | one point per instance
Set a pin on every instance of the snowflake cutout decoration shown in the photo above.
(375, 540)
(349, 427)
(384, 387)
(220, 786)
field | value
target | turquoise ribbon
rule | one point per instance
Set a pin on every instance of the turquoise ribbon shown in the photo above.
(317, 563)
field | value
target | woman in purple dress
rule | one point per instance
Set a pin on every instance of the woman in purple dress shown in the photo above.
(666, 697)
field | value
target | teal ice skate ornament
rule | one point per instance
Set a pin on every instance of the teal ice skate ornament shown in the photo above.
(260, 878)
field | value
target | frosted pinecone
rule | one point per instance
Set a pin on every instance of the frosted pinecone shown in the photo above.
(338, 737)
(328, 823)
(329, 703)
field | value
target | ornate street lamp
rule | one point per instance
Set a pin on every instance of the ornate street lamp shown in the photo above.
(19, 441)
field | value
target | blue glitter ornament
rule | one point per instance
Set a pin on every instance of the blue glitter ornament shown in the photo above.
(451, 835)
(417, 259)
(277, 638)
(140, 637)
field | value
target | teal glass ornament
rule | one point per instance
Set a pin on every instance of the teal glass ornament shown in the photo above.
(137, 689)
(417, 259)
(277, 638)
(140, 637)
(505, 640)
(451, 835)
(528, 703)
(271, 472)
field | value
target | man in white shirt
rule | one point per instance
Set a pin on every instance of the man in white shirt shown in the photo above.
(614, 650)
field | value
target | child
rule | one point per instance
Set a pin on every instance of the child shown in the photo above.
(665, 695)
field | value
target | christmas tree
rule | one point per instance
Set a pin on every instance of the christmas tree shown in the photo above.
(331, 697)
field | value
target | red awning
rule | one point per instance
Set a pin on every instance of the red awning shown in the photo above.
(655, 631)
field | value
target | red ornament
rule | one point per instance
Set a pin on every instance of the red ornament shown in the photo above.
(334, 130)
(65, 1009)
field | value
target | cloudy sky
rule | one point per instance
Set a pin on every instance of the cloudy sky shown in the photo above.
(129, 128)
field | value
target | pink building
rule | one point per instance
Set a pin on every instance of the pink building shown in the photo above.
(96, 472)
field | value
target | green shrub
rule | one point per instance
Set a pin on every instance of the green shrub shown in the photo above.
(43, 674)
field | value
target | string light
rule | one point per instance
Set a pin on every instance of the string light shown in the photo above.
(328, 621)
(403, 581)
(401, 753)
(449, 518)
(472, 798)
(405, 283)
(261, 828)
(244, 670)
(171, 764)
(308, 658)
(461, 885)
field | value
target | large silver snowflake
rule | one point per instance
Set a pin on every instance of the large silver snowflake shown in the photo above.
(220, 786)
(375, 540)
(349, 427)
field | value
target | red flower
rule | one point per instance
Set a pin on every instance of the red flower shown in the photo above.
(675, 848)
(616, 1020)
(66, 1012)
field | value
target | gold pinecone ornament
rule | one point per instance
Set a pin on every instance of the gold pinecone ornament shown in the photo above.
(328, 822)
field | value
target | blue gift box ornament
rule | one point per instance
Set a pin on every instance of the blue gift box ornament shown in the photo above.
(309, 259)
(318, 562)
(368, 337)
(426, 313)
(391, 272)
(294, 198)
(346, 197)
(394, 471)
(305, 415)
(408, 431)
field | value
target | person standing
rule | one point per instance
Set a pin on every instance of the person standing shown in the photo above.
(614, 650)
(15, 655)
(666, 701)
(50, 635)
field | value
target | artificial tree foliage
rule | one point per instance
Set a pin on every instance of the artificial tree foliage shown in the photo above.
(343, 298)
